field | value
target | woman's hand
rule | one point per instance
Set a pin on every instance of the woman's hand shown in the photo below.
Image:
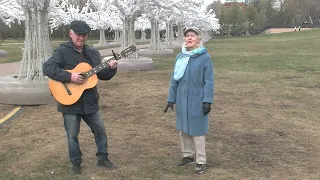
(170, 104)
(206, 108)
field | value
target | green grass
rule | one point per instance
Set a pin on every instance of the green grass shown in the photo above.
(264, 122)
(286, 51)
(13, 48)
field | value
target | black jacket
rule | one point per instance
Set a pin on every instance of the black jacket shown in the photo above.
(66, 57)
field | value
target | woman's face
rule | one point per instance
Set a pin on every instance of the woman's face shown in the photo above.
(192, 40)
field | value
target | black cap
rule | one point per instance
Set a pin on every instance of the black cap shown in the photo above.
(80, 27)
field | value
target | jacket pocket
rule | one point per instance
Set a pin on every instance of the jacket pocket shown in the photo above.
(179, 104)
(196, 108)
(196, 102)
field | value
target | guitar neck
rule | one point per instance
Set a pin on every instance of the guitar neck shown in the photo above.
(124, 53)
(96, 69)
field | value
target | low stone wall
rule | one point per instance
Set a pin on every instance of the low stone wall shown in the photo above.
(172, 46)
(9, 68)
(156, 53)
(20, 92)
(106, 46)
(140, 64)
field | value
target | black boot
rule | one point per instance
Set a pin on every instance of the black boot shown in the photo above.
(185, 161)
(200, 168)
(105, 162)
(76, 169)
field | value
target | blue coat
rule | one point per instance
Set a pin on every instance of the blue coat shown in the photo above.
(190, 92)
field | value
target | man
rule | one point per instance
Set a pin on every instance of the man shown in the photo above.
(66, 57)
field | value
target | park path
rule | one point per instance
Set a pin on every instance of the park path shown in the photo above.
(281, 30)
(11, 68)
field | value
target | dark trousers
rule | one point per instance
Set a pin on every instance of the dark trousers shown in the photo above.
(72, 126)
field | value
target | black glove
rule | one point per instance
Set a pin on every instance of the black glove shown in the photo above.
(170, 104)
(206, 108)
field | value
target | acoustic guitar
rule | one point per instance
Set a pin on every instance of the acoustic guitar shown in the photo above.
(69, 93)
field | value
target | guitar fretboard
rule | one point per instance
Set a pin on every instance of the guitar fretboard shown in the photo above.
(124, 53)
(96, 69)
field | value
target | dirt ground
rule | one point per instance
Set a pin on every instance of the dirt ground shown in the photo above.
(264, 123)
(252, 138)
(5, 109)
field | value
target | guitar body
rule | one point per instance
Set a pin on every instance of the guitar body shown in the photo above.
(60, 93)
(69, 93)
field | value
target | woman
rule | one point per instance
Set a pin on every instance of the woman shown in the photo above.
(191, 89)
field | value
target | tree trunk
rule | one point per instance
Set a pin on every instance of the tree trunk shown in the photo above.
(37, 45)
(102, 37)
(247, 28)
(116, 36)
(155, 43)
(205, 35)
(62, 32)
(169, 34)
(128, 33)
(228, 31)
(143, 35)
(180, 38)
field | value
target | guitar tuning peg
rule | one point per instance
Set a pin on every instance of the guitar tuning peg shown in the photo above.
(114, 54)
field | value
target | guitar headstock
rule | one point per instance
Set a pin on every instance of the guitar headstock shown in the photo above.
(126, 52)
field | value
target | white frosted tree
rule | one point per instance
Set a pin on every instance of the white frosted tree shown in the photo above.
(210, 24)
(117, 31)
(37, 46)
(129, 10)
(206, 21)
(174, 13)
(98, 14)
(104, 16)
(143, 24)
(65, 13)
(155, 11)
(169, 31)
(10, 11)
(180, 12)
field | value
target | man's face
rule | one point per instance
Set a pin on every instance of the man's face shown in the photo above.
(78, 39)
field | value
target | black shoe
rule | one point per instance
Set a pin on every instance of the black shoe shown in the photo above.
(185, 161)
(76, 169)
(200, 168)
(105, 162)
